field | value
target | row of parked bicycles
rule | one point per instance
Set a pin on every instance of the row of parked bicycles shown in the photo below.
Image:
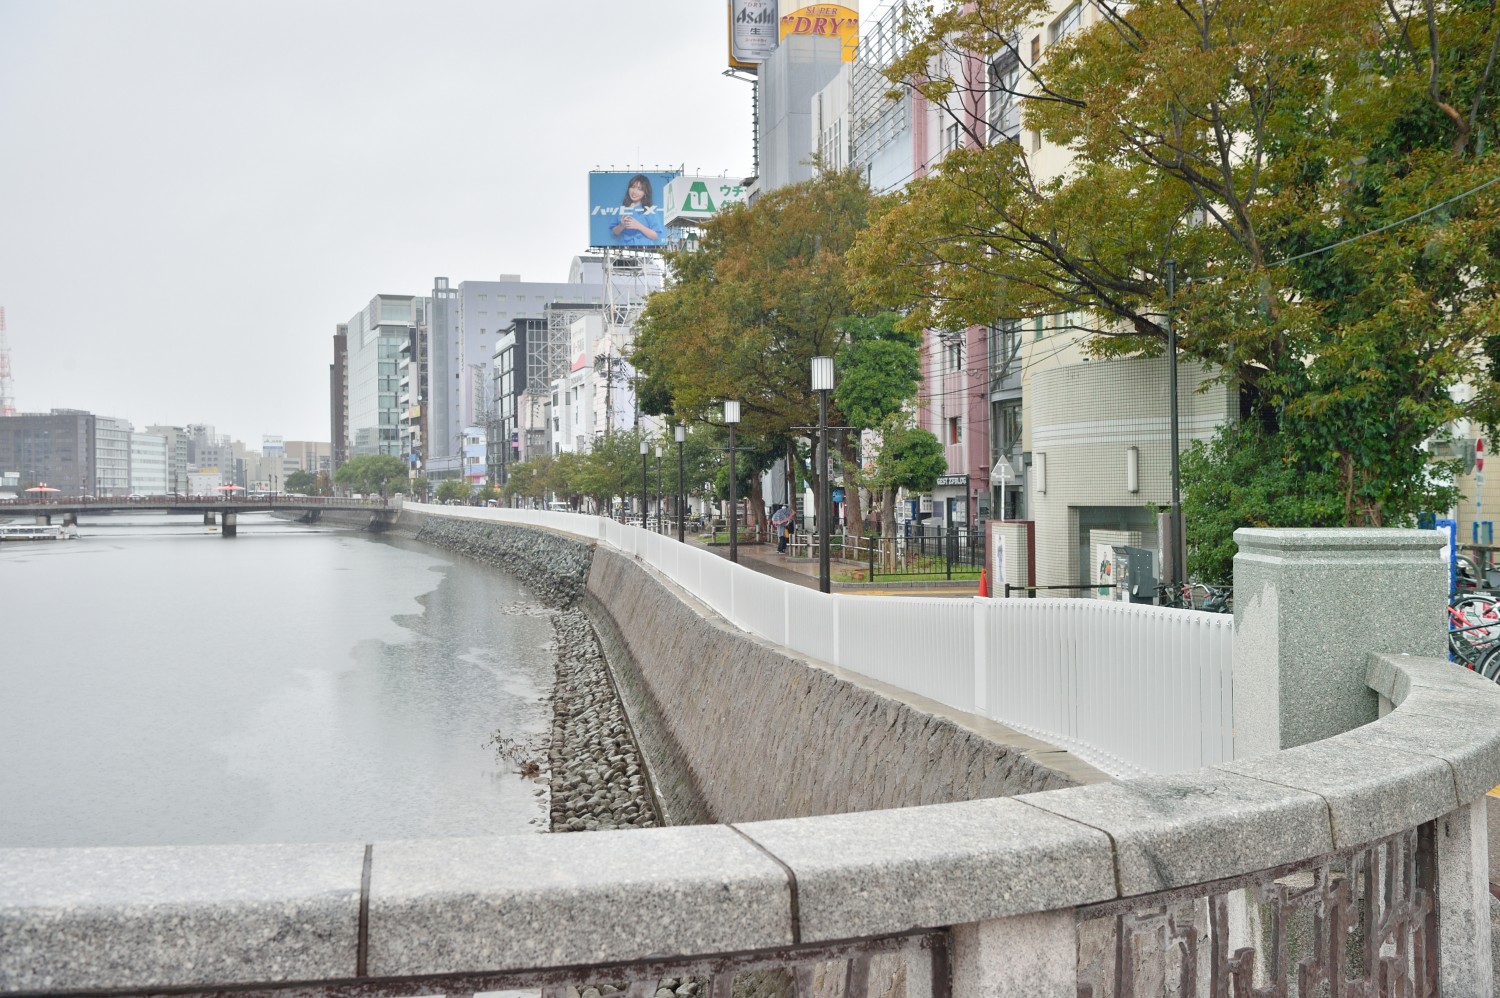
(1474, 632)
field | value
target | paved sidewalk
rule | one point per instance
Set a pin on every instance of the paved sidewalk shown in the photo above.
(804, 572)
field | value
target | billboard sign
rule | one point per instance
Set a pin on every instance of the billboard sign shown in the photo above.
(824, 20)
(626, 209)
(694, 200)
(752, 32)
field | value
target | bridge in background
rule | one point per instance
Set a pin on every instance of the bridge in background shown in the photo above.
(223, 511)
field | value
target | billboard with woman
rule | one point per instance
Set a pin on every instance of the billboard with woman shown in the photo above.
(627, 209)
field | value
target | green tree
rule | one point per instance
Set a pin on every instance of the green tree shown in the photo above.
(909, 458)
(611, 468)
(371, 474)
(305, 482)
(879, 372)
(531, 479)
(1248, 478)
(765, 292)
(1315, 167)
(454, 490)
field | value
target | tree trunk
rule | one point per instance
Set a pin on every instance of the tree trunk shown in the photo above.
(888, 524)
(758, 507)
(849, 451)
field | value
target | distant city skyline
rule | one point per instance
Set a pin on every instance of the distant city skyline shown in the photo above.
(193, 196)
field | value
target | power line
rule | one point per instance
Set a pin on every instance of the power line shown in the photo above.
(1375, 232)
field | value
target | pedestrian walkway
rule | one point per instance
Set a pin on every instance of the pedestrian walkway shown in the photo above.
(804, 572)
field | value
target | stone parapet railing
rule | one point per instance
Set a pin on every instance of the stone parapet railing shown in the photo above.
(1003, 882)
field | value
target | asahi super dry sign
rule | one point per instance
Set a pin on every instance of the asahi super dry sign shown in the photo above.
(824, 20)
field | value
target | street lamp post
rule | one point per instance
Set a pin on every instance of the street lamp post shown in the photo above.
(659, 497)
(731, 419)
(645, 449)
(1179, 542)
(822, 383)
(680, 432)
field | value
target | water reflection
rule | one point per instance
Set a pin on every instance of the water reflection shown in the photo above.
(165, 686)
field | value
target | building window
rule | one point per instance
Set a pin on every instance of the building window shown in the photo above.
(1007, 348)
(1036, 49)
(1005, 105)
(953, 353)
(1039, 327)
(1065, 24)
(1036, 139)
(955, 430)
(1008, 418)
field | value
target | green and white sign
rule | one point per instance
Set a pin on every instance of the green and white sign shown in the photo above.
(694, 200)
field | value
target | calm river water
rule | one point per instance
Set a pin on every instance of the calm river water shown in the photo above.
(162, 685)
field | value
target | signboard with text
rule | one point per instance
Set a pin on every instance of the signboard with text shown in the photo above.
(752, 32)
(823, 20)
(626, 209)
(694, 200)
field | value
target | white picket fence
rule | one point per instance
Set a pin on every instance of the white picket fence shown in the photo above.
(1132, 689)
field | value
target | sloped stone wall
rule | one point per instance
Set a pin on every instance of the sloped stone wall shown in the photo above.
(739, 729)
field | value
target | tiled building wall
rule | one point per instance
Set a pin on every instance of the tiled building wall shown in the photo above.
(1082, 418)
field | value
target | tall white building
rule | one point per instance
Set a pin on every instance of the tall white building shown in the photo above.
(179, 445)
(149, 462)
(376, 335)
(112, 456)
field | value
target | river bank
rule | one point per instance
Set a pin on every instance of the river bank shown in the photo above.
(596, 776)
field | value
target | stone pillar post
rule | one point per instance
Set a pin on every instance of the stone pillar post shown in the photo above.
(1309, 605)
(1025, 956)
(1463, 902)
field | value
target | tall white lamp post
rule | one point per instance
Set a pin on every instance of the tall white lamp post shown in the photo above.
(822, 383)
(731, 419)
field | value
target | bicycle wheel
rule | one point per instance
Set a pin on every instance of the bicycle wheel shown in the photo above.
(1470, 610)
(1489, 665)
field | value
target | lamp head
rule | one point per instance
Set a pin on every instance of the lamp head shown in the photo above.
(822, 374)
(645, 447)
(679, 432)
(731, 411)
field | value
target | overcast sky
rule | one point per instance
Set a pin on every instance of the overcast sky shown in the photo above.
(193, 193)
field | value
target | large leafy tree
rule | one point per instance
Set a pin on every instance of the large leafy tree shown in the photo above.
(1315, 168)
(879, 373)
(766, 290)
(454, 490)
(371, 474)
(305, 482)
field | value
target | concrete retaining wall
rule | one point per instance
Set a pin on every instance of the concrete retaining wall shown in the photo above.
(738, 729)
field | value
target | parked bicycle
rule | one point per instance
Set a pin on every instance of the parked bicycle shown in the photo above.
(1197, 596)
(1474, 632)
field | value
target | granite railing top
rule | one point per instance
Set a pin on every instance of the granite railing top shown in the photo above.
(127, 919)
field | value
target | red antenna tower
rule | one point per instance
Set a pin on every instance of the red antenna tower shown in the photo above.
(7, 395)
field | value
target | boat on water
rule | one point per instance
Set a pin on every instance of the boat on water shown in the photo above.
(32, 532)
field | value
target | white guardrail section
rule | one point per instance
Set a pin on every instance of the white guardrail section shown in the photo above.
(1131, 689)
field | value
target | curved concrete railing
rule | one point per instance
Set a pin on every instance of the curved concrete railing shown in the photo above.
(1008, 872)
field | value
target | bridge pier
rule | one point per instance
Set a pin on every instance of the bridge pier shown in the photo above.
(208, 520)
(230, 527)
(70, 519)
(43, 520)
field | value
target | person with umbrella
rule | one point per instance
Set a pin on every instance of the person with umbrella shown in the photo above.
(781, 519)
